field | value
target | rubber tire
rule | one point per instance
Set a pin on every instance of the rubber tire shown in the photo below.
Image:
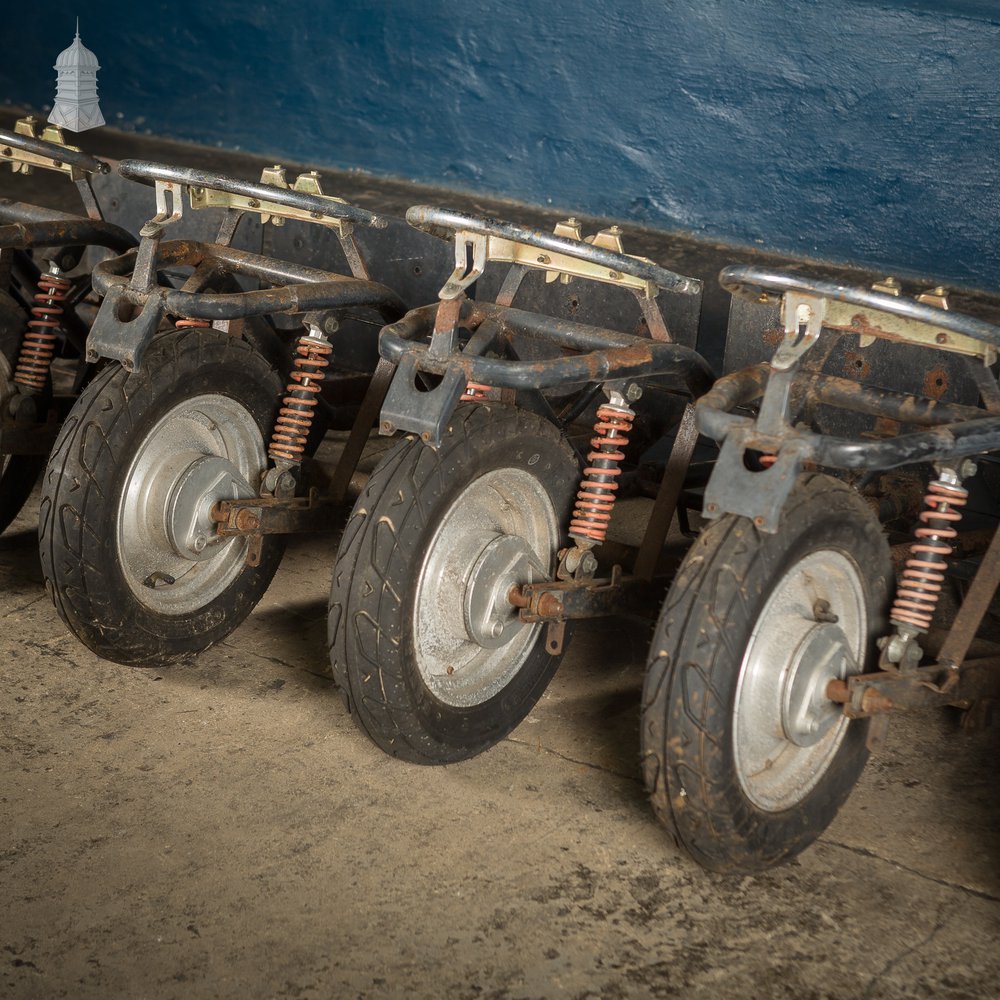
(84, 480)
(374, 584)
(694, 667)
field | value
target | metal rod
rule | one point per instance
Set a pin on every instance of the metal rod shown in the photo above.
(970, 615)
(444, 223)
(41, 147)
(144, 170)
(666, 498)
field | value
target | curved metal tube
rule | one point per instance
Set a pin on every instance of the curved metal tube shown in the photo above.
(41, 147)
(444, 223)
(751, 281)
(955, 439)
(308, 287)
(191, 253)
(605, 354)
(24, 211)
(144, 170)
(74, 231)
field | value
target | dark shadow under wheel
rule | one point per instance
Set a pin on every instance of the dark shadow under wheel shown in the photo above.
(18, 473)
(128, 549)
(745, 759)
(433, 661)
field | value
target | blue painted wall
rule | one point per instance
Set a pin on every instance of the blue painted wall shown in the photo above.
(854, 130)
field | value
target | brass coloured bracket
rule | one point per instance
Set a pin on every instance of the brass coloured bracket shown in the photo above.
(307, 183)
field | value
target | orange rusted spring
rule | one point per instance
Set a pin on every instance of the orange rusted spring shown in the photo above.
(288, 440)
(199, 324)
(598, 488)
(766, 461)
(39, 345)
(475, 392)
(923, 576)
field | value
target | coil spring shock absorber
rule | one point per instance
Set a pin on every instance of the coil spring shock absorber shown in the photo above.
(39, 345)
(288, 439)
(598, 488)
(920, 588)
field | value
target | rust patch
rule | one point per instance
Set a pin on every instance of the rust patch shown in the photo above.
(885, 427)
(773, 336)
(936, 383)
(856, 365)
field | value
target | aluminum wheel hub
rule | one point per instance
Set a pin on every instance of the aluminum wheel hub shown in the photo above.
(205, 449)
(468, 642)
(785, 731)
(203, 483)
(507, 561)
(823, 655)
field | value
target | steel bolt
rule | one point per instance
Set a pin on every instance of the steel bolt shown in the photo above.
(633, 392)
(199, 543)
(497, 630)
(549, 606)
(942, 338)
(247, 520)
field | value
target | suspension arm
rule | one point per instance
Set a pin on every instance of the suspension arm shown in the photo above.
(555, 601)
(865, 695)
(258, 516)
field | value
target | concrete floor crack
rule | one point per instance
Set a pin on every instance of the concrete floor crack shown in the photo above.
(539, 748)
(865, 853)
(939, 923)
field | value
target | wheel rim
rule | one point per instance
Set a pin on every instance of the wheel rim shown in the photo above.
(786, 733)
(468, 641)
(206, 449)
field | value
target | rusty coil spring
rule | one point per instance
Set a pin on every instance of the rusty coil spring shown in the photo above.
(766, 461)
(475, 392)
(39, 345)
(923, 576)
(288, 440)
(598, 488)
(198, 324)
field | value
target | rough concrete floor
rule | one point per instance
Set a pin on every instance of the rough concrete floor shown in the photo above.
(222, 830)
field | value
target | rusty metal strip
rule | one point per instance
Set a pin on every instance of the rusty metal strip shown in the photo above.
(363, 423)
(989, 391)
(511, 283)
(654, 318)
(353, 254)
(666, 497)
(970, 614)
